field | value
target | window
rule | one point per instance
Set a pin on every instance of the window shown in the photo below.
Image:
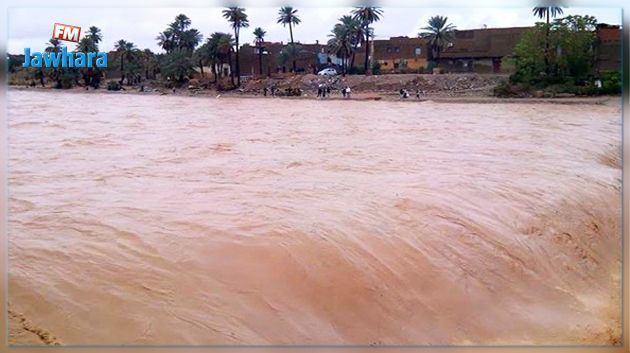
(397, 49)
(389, 50)
(418, 51)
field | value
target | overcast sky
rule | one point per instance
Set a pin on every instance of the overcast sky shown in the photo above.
(32, 27)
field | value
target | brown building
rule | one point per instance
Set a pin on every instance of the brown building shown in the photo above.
(272, 60)
(398, 55)
(476, 50)
(608, 47)
(481, 50)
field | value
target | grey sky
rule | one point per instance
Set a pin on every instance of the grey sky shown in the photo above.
(32, 27)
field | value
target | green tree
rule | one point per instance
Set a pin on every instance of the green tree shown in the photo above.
(86, 45)
(200, 57)
(94, 34)
(571, 59)
(287, 15)
(355, 31)
(547, 12)
(367, 16)
(438, 34)
(124, 49)
(238, 19)
(166, 41)
(53, 46)
(259, 40)
(219, 51)
(342, 39)
(149, 63)
(63, 76)
(177, 64)
(179, 35)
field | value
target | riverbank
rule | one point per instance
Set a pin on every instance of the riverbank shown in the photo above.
(360, 96)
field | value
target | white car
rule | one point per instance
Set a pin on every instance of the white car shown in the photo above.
(329, 71)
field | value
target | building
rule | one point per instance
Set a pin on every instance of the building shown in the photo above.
(476, 50)
(608, 47)
(398, 55)
(481, 50)
(272, 60)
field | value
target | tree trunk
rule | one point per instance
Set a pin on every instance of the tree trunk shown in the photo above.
(292, 48)
(367, 48)
(354, 52)
(260, 70)
(437, 56)
(122, 66)
(238, 64)
(201, 68)
(547, 45)
(231, 71)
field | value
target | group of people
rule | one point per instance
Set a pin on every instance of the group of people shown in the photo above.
(404, 94)
(324, 90)
(266, 90)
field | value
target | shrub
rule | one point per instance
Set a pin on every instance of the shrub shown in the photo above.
(376, 68)
(113, 86)
(506, 89)
(356, 70)
(611, 83)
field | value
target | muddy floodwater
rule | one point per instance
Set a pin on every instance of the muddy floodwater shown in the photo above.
(177, 220)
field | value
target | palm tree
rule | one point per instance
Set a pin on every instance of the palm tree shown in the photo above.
(189, 39)
(123, 47)
(212, 52)
(367, 16)
(89, 43)
(181, 23)
(149, 63)
(165, 40)
(94, 34)
(287, 15)
(546, 12)
(178, 36)
(219, 50)
(200, 55)
(342, 40)
(86, 44)
(438, 34)
(54, 47)
(238, 19)
(355, 31)
(259, 33)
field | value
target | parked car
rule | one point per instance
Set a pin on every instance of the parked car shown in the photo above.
(329, 71)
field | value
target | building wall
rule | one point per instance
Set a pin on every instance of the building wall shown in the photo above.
(413, 65)
(608, 48)
(483, 50)
(307, 60)
(399, 54)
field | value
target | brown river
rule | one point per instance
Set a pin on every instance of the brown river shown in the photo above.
(177, 220)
